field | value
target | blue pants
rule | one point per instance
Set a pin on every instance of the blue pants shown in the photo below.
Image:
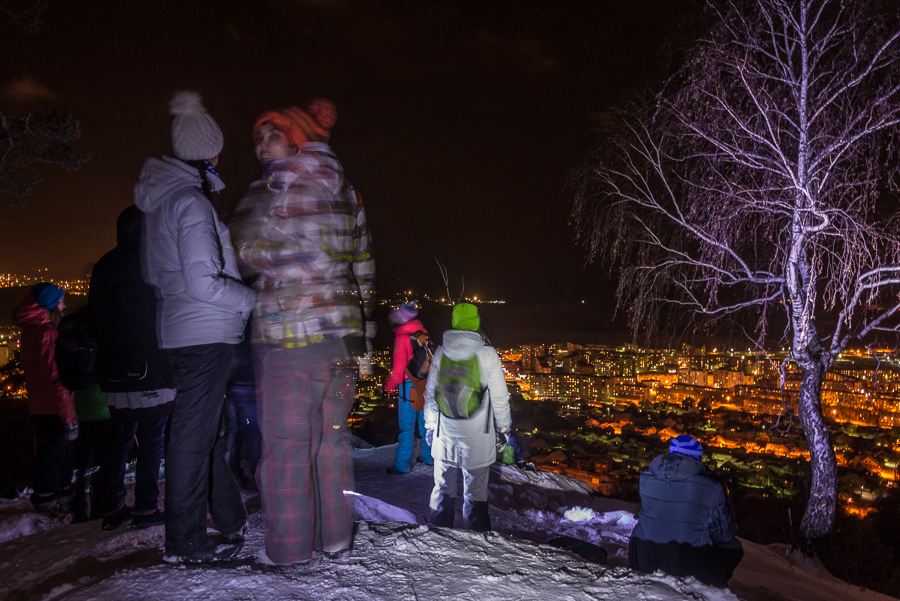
(408, 418)
(151, 436)
(242, 432)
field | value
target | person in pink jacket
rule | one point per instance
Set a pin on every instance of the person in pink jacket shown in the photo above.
(409, 408)
(50, 404)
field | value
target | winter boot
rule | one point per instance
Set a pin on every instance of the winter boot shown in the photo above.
(139, 521)
(477, 518)
(116, 519)
(66, 498)
(443, 516)
(44, 502)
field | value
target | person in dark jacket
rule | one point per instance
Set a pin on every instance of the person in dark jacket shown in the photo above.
(686, 525)
(135, 375)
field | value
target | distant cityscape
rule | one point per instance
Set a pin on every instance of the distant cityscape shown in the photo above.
(600, 413)
(604, 412)
(76, 287)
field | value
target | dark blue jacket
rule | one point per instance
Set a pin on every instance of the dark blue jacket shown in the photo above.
(682, 503)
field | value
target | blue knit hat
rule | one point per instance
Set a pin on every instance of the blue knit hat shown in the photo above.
(47, 295)
(404, 313)
(686, 445)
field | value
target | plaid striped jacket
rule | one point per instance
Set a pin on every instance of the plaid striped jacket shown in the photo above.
(302, 231)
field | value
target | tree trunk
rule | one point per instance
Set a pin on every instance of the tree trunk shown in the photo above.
(820, 508)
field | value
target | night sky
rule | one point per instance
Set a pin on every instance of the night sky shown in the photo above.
(458, 121)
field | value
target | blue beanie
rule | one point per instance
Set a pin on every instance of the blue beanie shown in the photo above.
(686, 445)
(47, 295)
(404, 313)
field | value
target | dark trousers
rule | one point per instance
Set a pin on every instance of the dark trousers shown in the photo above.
(151, 437)
(243, 431)
(197, 472)
(52, 468)
(90, 448)
(710, 564)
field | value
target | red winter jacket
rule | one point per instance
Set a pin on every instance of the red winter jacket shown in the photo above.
(46, 396)
(402, 353)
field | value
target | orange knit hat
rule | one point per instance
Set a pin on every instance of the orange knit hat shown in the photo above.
(312, 123)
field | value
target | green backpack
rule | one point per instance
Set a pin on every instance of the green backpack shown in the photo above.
(459, 390)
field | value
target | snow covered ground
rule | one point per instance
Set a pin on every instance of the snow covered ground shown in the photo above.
(396, 556)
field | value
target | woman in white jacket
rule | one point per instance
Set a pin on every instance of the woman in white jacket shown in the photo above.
(186, 255)
(465, 435)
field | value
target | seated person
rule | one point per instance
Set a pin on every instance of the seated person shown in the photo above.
(686, 525)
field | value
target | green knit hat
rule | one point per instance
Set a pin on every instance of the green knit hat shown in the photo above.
(465, 317)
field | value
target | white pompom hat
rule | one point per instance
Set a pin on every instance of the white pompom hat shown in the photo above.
(195, 134)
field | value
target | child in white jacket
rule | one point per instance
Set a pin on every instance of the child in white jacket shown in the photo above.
(464, 433)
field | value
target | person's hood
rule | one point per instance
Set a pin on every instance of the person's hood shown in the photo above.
(462, 344)
(410, 327)
(28, 313)
(128, 229)
(315, 160)
(162, 178)
(675, 467)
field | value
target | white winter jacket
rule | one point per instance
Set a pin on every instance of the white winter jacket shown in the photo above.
(468, 443)
(186, 255)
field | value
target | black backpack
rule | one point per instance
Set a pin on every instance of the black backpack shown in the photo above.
(76, 353)
(422, 354)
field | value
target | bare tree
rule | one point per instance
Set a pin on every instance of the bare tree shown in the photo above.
(36, 137)
(28, 16)
(757, 186)
(446, 279)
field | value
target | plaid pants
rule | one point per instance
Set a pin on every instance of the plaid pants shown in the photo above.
(304, 396)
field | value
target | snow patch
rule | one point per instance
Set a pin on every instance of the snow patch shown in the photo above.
(579, 514)
(372, 509)
(24, 524)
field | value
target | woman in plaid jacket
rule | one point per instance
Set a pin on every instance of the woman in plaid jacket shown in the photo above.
(301, 231)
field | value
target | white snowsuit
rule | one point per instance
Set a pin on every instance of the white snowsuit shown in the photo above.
(466, 444)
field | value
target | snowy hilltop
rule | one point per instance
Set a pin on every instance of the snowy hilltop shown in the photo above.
(395, 556)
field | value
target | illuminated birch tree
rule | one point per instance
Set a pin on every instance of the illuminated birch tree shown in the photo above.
(757, 187)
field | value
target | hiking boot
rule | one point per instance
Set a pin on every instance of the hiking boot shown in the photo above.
(44, 502)
(66, 498)
(10, 491)
(81, 517)
(343, 554)
(114, 520)
(218, 554)
(238, 537)
(139, 522)
(263, 559)
(395, 472)
(420, 460)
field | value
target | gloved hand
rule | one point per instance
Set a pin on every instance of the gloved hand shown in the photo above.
(72, 431)
(502, 440)
(429, 437)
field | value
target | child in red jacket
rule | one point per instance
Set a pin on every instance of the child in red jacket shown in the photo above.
(50, 404)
